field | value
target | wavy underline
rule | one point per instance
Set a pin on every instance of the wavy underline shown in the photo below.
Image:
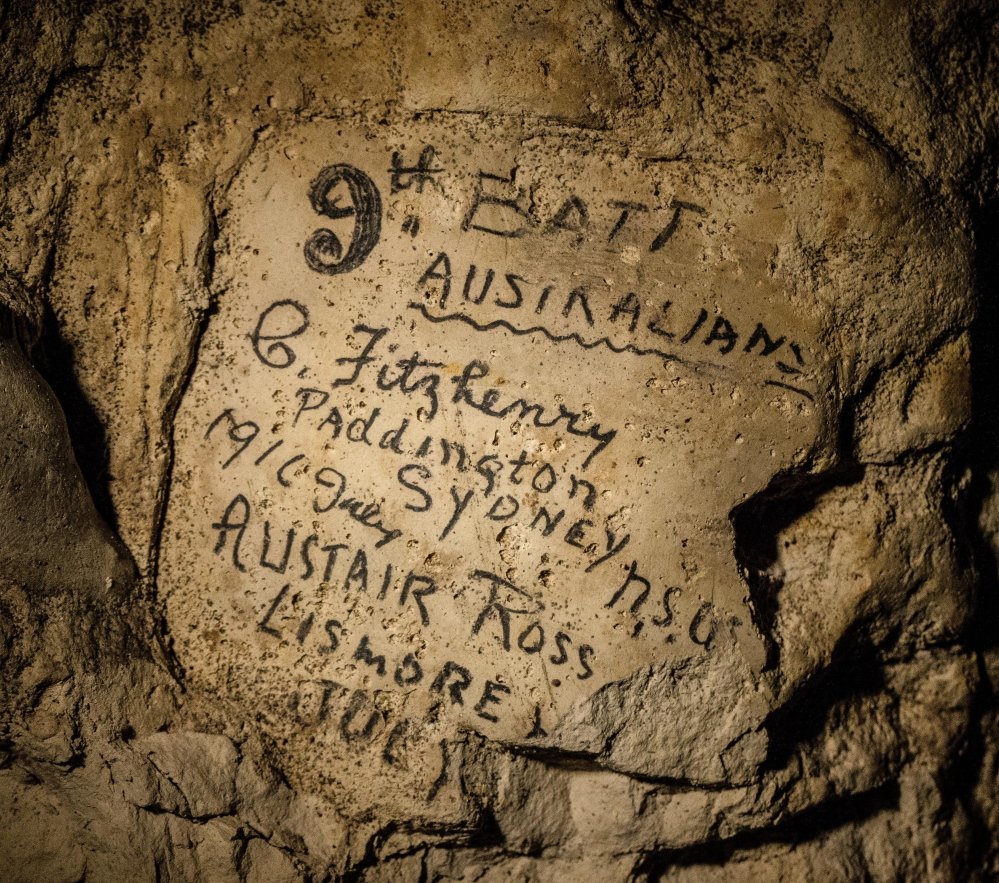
(557, 338)
(575, 338)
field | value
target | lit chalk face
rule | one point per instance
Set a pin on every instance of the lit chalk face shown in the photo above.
(465, 433)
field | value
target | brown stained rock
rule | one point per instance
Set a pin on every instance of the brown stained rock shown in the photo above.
(41, 838)
(698, 722)
(264, 864)
(200, 767)
(776, 672)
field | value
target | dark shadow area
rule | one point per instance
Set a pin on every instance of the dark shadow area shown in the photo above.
(55, 362)
(854, 671)
(803, 827)
(484, 835)
(758, 524)
(982, 448)
(980, 455)
(855, 668)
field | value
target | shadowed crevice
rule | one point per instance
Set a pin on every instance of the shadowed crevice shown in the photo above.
(808, 825)
(57, 364)
(967, 514)
(758, 525)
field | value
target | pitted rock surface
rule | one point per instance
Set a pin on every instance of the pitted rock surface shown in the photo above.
(475, 442)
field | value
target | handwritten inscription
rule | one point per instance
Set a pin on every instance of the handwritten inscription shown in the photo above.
(500, 207)
(249, 540)
(463, 441)
(324, 252)
(580, 305)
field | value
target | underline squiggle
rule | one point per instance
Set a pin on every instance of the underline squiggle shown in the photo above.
(575, 338)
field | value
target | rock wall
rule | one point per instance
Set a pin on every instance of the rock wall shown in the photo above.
(451, 442)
